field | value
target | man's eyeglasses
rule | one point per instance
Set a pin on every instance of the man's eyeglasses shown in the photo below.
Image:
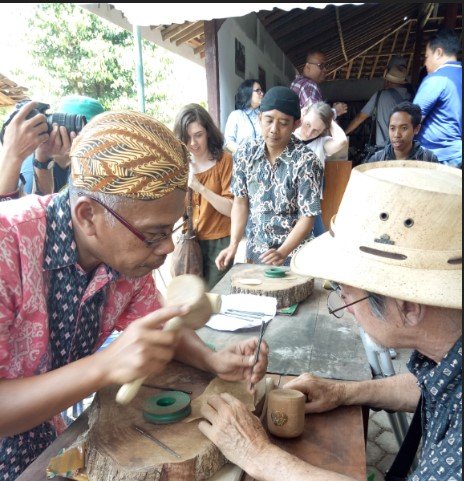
(154, 240)
(336, 305)
(259, 91)
(321, 65)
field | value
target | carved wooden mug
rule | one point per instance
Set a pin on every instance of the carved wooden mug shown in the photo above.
(286, 413)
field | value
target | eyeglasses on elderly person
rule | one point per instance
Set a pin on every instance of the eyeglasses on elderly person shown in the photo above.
(149, 242)
(335, 304)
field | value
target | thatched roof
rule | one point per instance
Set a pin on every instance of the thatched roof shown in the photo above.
(10, 92)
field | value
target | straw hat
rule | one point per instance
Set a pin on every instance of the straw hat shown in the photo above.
(396, 75)
(398, 232)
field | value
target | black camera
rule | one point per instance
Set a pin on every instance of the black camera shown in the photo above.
(72, 122)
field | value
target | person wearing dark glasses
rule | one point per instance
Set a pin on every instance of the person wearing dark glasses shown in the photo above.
(306, 84)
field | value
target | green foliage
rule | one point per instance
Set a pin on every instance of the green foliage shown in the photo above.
(76, 52)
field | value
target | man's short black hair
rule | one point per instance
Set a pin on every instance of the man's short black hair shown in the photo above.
(446, 39)
(412, 109)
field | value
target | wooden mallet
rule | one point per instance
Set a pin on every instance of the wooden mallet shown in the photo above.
(183, 290)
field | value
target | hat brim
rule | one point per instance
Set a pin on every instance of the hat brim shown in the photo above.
(326, 258)
(395, 80)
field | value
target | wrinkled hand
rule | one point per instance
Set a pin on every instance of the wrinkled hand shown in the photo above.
(272, 257)
(235, 363)
(23, 136)
(225, 257)
(341, 108)
(323, 394)
(194, 183)
(142, 349)
(233, 429)
(58, 144)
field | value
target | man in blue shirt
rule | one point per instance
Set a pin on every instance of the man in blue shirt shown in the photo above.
(440, 98)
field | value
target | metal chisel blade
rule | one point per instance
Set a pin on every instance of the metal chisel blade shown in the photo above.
(156, 441)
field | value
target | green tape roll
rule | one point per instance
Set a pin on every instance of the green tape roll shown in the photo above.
(167, 408)
(276, 272)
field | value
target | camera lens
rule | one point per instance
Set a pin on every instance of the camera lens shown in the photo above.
(72, 122)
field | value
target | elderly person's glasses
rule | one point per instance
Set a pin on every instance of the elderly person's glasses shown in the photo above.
(321, 65)
(336, 305)
(154, 240)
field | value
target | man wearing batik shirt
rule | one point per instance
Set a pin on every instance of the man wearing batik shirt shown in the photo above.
(76, 266)
(276, 183)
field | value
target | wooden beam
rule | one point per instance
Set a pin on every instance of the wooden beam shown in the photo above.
(212, 69)
(199, 30)
(422, 18)
(451, 14)
(371, 46)
(186, 31)
(170, 32)
(406, 38)
(198, 49)
(348, 72)
(376, 60)
(361, 66)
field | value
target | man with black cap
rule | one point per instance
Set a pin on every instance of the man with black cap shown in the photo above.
(276, 184)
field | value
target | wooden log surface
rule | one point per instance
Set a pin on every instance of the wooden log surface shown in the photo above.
(287, 290)
(117, 452)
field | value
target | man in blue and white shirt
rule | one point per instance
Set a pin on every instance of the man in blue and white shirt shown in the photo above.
(440, 98)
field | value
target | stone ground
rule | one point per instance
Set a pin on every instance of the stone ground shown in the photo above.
(381, 442)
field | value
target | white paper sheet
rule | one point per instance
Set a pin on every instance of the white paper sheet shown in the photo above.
(242, 311)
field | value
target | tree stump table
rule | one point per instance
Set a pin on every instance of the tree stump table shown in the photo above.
(288, 290)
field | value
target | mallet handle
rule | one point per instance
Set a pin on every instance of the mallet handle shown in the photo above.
(128, 391)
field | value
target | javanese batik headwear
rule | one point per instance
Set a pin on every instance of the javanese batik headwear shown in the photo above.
(129, 154)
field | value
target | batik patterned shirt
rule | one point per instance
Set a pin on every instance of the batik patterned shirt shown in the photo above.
(278, 194)
(441, 386)
(51, 311)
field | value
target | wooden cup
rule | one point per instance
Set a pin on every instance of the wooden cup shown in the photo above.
(286, 413)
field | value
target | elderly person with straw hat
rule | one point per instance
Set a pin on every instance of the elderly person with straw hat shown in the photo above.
(394, 256)
(76, 265)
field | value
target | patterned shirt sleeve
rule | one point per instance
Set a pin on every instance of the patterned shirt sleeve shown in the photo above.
(144, 301)
(307, 90)
(310, 183)
(239, 183)
(9, 291)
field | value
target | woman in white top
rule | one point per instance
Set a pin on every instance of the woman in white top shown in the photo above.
(320, 131)
(324, 136)
(243, 123)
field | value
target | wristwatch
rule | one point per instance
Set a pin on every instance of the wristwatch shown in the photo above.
(47, 165)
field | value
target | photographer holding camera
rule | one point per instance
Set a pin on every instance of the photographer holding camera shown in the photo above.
(35, 151)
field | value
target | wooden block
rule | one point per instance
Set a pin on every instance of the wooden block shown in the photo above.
(117, 452)
(288, 290)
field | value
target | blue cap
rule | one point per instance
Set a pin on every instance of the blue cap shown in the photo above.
(80, 105)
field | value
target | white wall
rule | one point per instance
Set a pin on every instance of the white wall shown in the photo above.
(260, 50)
